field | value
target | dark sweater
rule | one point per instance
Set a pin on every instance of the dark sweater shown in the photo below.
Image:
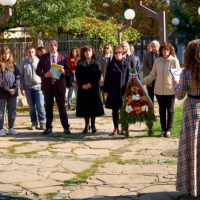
(9, 80)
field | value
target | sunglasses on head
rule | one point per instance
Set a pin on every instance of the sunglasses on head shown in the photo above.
(118, 52)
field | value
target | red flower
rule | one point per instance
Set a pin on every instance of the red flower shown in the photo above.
(143, 113)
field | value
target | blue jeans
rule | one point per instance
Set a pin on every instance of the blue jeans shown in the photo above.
(11, 107)
(69, 96)
(35, 100)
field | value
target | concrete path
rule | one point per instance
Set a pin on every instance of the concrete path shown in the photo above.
(90, 166)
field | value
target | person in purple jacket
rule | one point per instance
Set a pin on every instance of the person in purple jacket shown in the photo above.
(52, 87)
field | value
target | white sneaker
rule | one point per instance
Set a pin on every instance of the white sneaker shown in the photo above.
(12, 131)
(2, 133)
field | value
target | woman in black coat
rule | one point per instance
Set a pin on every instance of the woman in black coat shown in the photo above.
(88, 74)
(116, 78)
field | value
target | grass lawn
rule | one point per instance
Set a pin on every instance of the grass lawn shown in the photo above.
(176, 125)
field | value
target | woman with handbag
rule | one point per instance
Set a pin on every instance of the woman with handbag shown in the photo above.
(72, 60)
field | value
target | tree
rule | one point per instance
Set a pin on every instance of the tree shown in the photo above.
(186, 11)
(91, 18)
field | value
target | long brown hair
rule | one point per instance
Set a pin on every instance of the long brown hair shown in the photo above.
(192, 59)
(77, 56)
(9, 62)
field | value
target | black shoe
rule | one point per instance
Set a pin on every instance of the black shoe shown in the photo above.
(67, 131)
(94, 130)
(69, 107)
(47, 131)
(86, 129)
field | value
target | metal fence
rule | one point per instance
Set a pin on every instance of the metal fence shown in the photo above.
(67, 43)
(18, 47)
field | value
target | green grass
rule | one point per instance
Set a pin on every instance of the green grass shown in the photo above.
(175, 132)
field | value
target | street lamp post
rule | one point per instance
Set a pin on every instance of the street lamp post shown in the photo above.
(158, 16)
(175, 23)
(129, 14)
(8, 10)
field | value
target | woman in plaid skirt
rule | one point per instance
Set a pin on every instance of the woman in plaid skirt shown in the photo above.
(188, 170)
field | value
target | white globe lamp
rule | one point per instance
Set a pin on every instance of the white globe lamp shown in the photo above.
(129, 14)
(7, 2)
(175, 21)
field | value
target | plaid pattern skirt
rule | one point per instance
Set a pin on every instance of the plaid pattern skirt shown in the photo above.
(188, 169)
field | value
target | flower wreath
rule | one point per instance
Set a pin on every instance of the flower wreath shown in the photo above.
(137, 106)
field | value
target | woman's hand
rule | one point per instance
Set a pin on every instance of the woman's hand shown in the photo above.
(89, 86)
(12, 92)
(105, 94)
(174, 82)
(74, 84)
(23, 92)
(86, 86)
(101, 80)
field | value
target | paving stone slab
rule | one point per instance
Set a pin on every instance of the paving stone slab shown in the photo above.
(30, 148)
(61, 176)
(83, 193)
(131, 156)
(124, 180)
(42, 187)
(18, 176)
(50, 162)
(68, 145)
(45, 153)
(28, 161)
(111, 191)
(13, 167)
(99, 153)
(76, 166)
(107, 144)
(5, 161)
(9, 188)
(114, 168)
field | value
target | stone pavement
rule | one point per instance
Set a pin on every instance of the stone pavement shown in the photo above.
(91, 166)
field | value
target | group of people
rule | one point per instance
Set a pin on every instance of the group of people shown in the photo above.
(108, 75)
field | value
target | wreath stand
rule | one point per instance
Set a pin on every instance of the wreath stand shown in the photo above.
(137, 106)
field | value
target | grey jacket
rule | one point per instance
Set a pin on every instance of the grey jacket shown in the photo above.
(148, 65)
(29, 79)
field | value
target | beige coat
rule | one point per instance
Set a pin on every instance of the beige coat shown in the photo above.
(161, 72)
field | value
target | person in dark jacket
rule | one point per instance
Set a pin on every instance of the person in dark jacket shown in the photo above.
(116, 78)
(88, 74)
(9, 85)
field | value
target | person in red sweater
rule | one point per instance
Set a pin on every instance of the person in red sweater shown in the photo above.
(72, 60)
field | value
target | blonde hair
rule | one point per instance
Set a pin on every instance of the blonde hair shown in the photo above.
(9, 62)
(128, 47)
(192, 59)
(110, 48)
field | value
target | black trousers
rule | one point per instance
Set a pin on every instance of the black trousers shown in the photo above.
(49, 102)
(150, 90)
(115, 117)
(166, 111)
